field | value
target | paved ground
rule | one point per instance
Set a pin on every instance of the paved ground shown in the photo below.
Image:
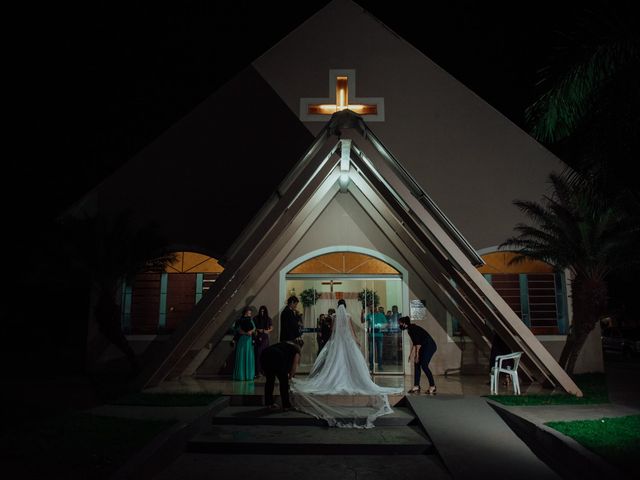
(459, 438)
(624, 392)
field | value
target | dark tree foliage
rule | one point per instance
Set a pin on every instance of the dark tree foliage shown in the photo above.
(588, 234)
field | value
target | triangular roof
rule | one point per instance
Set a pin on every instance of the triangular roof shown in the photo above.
(471, 159)
(347, 156)
(450, 140)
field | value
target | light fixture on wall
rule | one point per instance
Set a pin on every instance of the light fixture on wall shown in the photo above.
(345, 162)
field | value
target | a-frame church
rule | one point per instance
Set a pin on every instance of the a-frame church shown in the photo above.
(342, 163)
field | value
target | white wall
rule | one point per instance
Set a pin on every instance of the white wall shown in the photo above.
(466, 155)
(590, 358)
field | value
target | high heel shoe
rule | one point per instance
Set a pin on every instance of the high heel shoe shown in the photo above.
(414, 390)
(431, 391)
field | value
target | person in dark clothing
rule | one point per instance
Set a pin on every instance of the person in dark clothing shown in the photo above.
(423, 348)
(325, 331)
(320, 341)
(289, 318)
(279, 361)
(264, 325)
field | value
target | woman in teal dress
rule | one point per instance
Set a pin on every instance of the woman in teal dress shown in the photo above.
(245, 359)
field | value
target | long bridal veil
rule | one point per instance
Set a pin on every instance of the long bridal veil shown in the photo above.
(339, 388)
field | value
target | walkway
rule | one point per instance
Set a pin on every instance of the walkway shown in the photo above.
(474, 442)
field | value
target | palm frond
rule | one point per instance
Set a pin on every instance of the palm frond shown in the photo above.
(590, 56)
(574, 229)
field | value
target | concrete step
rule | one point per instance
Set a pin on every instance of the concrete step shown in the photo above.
(243, 415)
(301, 439)
(258, 400)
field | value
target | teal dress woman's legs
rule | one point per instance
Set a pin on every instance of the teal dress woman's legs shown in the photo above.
(245, 359)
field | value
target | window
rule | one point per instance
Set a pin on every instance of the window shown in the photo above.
(158, 302)
(532, 289)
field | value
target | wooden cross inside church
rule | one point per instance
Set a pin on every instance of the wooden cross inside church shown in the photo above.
(331, 283)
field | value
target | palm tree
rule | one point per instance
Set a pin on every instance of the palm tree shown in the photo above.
(588, 112)
(586, 234)
(107, 249)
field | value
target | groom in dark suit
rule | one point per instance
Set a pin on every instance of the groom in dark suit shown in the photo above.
(289, 318)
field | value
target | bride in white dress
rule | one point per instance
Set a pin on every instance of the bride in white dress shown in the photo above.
(339, 388)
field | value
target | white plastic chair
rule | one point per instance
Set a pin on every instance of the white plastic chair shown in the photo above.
(497, 369)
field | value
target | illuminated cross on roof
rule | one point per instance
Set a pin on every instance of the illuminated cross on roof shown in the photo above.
(342, 90)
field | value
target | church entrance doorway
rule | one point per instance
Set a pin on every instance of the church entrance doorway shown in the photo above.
(373, 291)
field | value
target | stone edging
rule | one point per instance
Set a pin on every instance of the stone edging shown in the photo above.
(167, 446)
(563, 454)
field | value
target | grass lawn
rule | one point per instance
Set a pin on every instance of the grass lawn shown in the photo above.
(75, 445)
(593, 386)
(167, 399)
(617, 440)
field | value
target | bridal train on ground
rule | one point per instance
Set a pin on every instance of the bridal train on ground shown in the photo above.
(339, 388)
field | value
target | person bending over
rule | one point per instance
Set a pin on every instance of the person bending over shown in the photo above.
(279, 361)
(423, 348)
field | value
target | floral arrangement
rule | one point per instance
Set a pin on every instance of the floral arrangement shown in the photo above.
(309, 296)
(371, 297)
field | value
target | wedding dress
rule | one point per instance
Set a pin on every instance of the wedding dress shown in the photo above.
(339, 388)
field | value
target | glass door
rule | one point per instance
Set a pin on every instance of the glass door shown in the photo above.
(381, 300)
(374, 308)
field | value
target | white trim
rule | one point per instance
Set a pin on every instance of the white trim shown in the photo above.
(355, 276)
(568, 286)
(457, 339)
(346, 248)
(552, 338)
(492, 249)
(542, 338)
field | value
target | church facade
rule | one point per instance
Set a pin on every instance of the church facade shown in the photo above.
(396, 214)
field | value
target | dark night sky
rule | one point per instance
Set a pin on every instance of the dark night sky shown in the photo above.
(105, 80)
